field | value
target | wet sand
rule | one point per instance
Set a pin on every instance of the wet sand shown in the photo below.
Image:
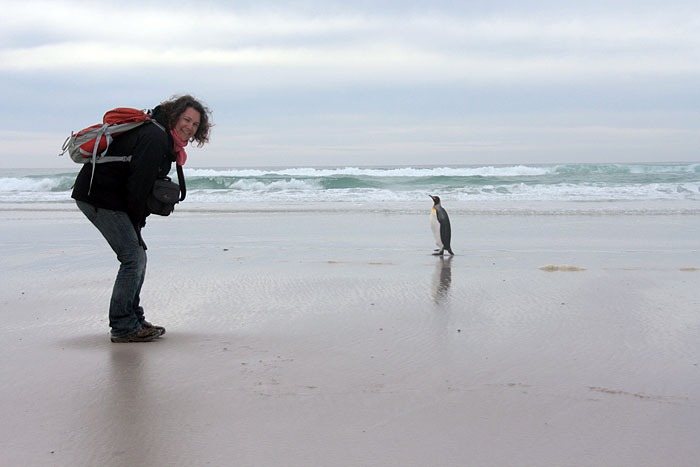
(337, 339)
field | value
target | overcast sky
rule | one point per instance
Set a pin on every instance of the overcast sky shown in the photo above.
(354, 83)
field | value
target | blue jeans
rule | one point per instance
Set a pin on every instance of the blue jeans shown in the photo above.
(125, 313)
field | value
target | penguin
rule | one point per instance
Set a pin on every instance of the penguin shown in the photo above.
(440, 223)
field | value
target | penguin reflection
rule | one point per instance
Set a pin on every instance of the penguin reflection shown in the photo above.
(442, 279)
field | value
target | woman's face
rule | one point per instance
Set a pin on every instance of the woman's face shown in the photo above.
(187, 124)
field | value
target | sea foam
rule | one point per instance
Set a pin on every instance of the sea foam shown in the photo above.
(511, 183)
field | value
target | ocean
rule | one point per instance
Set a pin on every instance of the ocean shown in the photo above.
(664, 186)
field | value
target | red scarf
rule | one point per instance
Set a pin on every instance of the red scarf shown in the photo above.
(179, 148)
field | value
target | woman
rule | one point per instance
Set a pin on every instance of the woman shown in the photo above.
(114, 200)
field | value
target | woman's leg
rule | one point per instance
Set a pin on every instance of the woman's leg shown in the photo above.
(116, 227)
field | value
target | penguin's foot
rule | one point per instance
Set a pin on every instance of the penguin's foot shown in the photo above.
(439, 253)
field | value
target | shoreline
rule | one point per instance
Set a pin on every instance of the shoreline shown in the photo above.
(457, 208)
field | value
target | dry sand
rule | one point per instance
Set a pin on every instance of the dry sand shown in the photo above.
(336, 339)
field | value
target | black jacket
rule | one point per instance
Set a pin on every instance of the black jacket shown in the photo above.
(125, 186)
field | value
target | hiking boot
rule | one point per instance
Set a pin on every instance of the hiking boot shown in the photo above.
(148, 325)
(142, 335)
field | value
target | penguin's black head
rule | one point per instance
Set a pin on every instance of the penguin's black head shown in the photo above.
(436, 199)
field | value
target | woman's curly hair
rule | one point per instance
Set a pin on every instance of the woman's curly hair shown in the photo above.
(178, 104)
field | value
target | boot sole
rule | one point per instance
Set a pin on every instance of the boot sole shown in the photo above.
(131, 338)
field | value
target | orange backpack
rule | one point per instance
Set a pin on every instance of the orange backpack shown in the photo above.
(91, 144)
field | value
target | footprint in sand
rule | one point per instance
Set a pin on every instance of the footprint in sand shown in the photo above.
(563, 267)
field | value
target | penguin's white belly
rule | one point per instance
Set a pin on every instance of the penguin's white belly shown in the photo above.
(435, 226)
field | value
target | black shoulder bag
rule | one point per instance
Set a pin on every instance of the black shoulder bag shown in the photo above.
(166, 194)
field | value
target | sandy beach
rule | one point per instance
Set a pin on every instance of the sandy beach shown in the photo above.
(335, 338)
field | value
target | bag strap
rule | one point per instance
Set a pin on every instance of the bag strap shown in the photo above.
(181, 182)
(180, 173)
(104, 159)
(98, 137)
